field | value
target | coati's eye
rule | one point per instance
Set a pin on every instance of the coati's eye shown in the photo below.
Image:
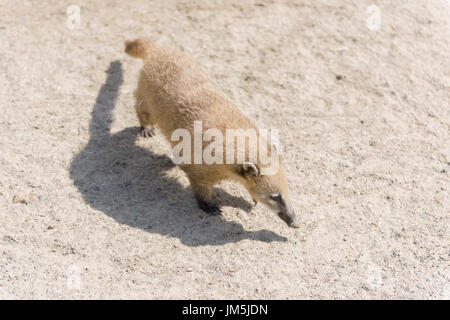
(275, 199)
(275, 196)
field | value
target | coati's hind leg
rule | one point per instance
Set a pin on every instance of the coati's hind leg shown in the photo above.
(202, 192)
(147, 128)
(142, 110)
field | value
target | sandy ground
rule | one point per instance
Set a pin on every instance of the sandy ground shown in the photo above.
(364, 116)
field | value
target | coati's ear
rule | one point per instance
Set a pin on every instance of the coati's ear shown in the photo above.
(250, 169)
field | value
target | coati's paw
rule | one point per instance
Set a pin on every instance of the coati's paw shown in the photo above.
(210, 208)
(147, 132)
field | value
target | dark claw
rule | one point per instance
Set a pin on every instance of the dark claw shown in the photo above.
(147, 132)
(209, 208)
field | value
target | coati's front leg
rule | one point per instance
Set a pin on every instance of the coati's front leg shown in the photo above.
(203, 196)
(202, 192)
(209, 208)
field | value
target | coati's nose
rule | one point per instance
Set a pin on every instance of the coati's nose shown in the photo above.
(291, 219)
(295, 223)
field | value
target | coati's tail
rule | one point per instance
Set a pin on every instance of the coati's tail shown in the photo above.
(138, 48)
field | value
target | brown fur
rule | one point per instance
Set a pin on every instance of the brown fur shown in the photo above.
(172, 93)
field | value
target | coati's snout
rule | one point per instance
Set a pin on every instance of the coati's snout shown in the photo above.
(285, 212)
(271, 190)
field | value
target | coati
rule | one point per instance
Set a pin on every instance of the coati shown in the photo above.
(172, 93)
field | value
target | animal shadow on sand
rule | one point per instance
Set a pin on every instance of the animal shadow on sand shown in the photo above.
(129, 184)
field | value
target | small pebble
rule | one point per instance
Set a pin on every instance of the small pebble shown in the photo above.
(22, 196)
